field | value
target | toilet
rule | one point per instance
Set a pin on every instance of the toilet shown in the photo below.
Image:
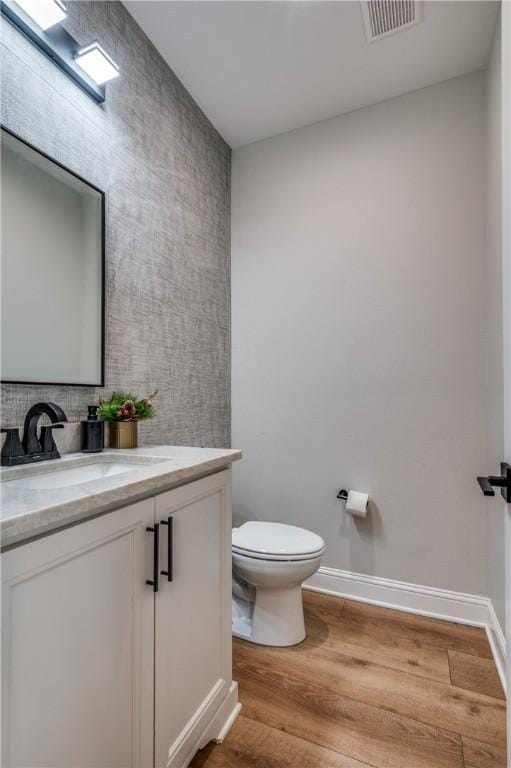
(270, 562)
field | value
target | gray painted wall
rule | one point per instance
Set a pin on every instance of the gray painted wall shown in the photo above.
(359, 334)
(496, 508)
(166, 174)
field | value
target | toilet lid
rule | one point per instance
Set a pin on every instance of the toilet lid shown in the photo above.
(276, 539)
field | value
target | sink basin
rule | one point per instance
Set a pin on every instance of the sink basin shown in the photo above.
(63, 477)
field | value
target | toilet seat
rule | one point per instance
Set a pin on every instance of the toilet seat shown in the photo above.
(276, 542)
(276, 558)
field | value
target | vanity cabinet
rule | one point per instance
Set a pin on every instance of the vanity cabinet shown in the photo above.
(98, 669)
(192, 616)
(77, 645)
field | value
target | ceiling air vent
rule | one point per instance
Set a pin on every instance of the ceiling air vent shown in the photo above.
(384, 17)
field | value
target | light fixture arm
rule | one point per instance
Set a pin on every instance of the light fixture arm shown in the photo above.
(57, 44)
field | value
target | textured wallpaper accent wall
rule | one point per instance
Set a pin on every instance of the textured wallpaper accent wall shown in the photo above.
(166, 174)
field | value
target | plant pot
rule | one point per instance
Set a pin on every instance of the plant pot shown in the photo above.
(123, 434)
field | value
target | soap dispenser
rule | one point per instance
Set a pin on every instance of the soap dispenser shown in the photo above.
(92, 432)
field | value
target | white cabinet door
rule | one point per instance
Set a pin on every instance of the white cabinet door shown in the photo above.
(193, 664)
(78, 645)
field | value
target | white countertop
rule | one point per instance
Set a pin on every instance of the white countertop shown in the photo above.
(27, 512)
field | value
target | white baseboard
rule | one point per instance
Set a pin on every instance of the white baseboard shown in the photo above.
(212, 721)
(497, 641)
(413, 598)
(232, 708)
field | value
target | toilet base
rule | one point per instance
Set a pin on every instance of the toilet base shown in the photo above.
(242, 611)
(242, 628)
(275, 618)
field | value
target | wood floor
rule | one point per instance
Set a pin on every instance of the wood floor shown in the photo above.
(368, 687)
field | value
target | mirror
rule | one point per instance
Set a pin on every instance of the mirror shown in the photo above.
(52, 239)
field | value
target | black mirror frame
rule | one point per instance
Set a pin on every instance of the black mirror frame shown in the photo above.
(101, 382)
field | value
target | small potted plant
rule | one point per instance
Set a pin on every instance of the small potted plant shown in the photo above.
(123, 412)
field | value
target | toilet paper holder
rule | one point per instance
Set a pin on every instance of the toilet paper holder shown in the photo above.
(355, 502)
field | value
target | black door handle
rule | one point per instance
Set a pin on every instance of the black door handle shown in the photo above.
(502, 481)
(156, 555)
(485, 486)
(169, 522)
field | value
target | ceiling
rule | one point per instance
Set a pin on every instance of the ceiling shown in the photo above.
(261, 68)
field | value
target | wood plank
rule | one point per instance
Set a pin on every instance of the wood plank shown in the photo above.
(272, 695)
(349, 693)
(251, 743)
(475, 674)
(333, 631)
(428, 701)
(478, 755)
(386, 622)
(327, 607)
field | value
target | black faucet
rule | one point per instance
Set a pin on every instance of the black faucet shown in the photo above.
(31, 448)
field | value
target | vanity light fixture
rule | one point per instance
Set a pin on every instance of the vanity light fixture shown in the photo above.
(90, 66)
(45, 13)
(94, 60)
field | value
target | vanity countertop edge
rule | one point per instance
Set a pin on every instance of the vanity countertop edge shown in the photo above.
(26, 514)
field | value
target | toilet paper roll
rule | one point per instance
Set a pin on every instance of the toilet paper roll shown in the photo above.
(356, 503)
